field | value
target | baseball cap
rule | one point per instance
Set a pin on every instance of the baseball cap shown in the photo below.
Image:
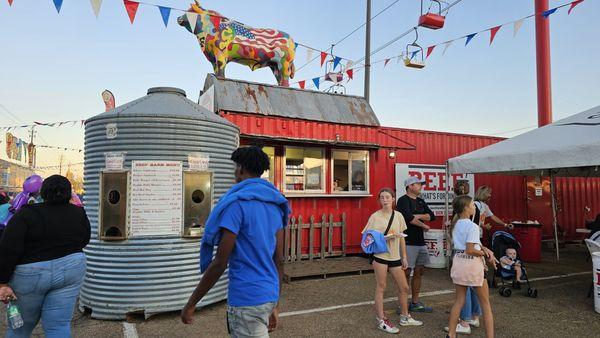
(413, 180)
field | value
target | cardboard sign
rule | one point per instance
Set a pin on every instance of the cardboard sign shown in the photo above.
(198, 161)
(114, 161)
(434, 188)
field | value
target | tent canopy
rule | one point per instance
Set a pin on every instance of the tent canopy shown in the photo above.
(569, 147)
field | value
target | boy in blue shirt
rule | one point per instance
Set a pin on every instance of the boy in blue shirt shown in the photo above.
(247, 226)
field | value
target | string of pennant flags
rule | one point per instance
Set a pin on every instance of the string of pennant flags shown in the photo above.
(131, 7)
(71, 123)
(59, 148)
(350, 68)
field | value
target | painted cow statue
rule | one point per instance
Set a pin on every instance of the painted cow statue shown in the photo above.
(223, 41)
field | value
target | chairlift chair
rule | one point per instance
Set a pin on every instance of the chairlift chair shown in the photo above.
(432, 20)
(412, 50)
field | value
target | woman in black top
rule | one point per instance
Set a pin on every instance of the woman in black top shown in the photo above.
(41, 260)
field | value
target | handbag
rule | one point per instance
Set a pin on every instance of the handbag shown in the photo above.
(373, 242)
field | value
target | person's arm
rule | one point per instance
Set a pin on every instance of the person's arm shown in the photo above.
(406, 211)
(429, 214)
(472, 239)
(87, 230)
(12, 246)
(211, 275)
(500, 222)
(278, 258)
(506, 261)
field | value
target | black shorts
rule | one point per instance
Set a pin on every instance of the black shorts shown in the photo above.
(390, 264)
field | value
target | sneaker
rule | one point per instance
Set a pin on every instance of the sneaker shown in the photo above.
(474, 323)
(385, 325)
(460, 329)
(409, 321)
(419, 307)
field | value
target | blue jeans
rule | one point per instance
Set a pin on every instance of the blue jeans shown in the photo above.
(471, 307)
(48, 291)
(249, 321)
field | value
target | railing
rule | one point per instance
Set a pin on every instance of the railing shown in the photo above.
(324, 231)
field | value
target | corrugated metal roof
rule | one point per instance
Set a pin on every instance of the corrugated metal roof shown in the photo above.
(256, 98)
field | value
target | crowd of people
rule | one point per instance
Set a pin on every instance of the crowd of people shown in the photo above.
(42, 264)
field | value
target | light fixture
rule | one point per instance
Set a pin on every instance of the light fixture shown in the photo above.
(392, 154)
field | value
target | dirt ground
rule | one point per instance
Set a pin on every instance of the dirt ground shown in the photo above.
(342, 307)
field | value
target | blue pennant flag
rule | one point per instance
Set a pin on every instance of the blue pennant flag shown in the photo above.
(549, 12)
(316, 82)
(165, 12)
(336, 61)
(469, 38)
(413, 54)
(58, 5)
(295, 45)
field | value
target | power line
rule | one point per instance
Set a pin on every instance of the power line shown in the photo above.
(348, 35)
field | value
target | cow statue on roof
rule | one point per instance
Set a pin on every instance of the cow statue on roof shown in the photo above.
(223, 41)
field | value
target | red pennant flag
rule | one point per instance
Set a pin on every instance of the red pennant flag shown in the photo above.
(302, 83)
(493, 32)
(216, 21)
(323, 57)
(573, 4)
(385, 62)
(11, 1)
(350, 73)
(429, 51)
(131, 7)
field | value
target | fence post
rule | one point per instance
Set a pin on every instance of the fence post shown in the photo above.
(344, 234)
(299, 239)
(311, 240)
(293, 240)
(323, 221)
(330, 239)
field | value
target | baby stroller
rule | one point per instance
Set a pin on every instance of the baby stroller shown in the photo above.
(502, 240)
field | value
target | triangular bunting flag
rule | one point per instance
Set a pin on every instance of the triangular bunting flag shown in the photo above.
(165, 12)
(323, 57)
(10, 2)
(192, 18)
(493, 32)
(96, 6)
(302, 84)
(349, 64)
(350, 73)
(131, 7)
(295, 46)
(469, 38)
(517, 27)
(413, 54)
(309, 54)
(58, 5)
(549, 12)
(385, 62)
(573, 4)
(216, 21)
(446, 45)
(316, 81)
(336, 61)
(429, 51)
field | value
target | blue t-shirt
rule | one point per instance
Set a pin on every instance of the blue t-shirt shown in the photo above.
(253, 276)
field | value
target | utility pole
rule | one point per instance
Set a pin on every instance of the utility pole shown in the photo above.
(368, 53)
(31, 154)
(542, 48)
(62, 157)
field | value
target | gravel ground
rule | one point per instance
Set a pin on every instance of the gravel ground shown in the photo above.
(561, 310)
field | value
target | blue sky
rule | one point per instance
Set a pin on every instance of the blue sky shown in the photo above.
(54, 66)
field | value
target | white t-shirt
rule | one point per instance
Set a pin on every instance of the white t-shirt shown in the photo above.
(484, 209)
(465, 231)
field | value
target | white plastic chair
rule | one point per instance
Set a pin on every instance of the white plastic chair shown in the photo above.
(592, 245)
(595, 237)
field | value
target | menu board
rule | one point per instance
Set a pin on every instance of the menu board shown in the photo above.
(156, 198)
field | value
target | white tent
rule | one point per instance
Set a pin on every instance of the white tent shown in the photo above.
(568, 148)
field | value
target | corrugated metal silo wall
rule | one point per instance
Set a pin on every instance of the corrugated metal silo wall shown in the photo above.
(155, 274)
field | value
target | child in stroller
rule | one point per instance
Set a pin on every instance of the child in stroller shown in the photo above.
(512, 268)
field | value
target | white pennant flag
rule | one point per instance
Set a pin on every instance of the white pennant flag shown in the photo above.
(192, 19)
(446, 45)
(517, 26)
(309, 54)
(349, 65)
(96, 6)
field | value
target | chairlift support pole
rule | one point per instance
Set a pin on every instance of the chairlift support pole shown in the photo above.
(368, 53)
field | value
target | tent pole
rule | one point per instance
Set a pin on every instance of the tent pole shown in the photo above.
(447, 213)
(553, 191)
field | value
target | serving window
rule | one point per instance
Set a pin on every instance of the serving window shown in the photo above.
(304, 169)
(269, 175)
(350, 171)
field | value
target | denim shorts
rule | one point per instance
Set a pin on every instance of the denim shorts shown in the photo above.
(249, 321)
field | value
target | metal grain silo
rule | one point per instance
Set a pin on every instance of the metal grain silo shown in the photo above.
(150, 274)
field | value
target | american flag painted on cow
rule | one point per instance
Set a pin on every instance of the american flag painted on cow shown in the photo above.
(223, 40)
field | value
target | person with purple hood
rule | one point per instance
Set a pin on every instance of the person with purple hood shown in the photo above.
(247, 228)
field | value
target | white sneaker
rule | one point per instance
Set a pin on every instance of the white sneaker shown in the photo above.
(460, 329)
(474, 323)
(385, 325)
(409, 321)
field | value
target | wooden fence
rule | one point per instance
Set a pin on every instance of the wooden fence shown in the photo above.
(293, 246)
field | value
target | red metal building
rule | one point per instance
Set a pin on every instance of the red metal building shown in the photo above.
(330, 155)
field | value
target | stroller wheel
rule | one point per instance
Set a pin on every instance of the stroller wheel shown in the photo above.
(504, 291)
(532, 293)
(516, 285)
